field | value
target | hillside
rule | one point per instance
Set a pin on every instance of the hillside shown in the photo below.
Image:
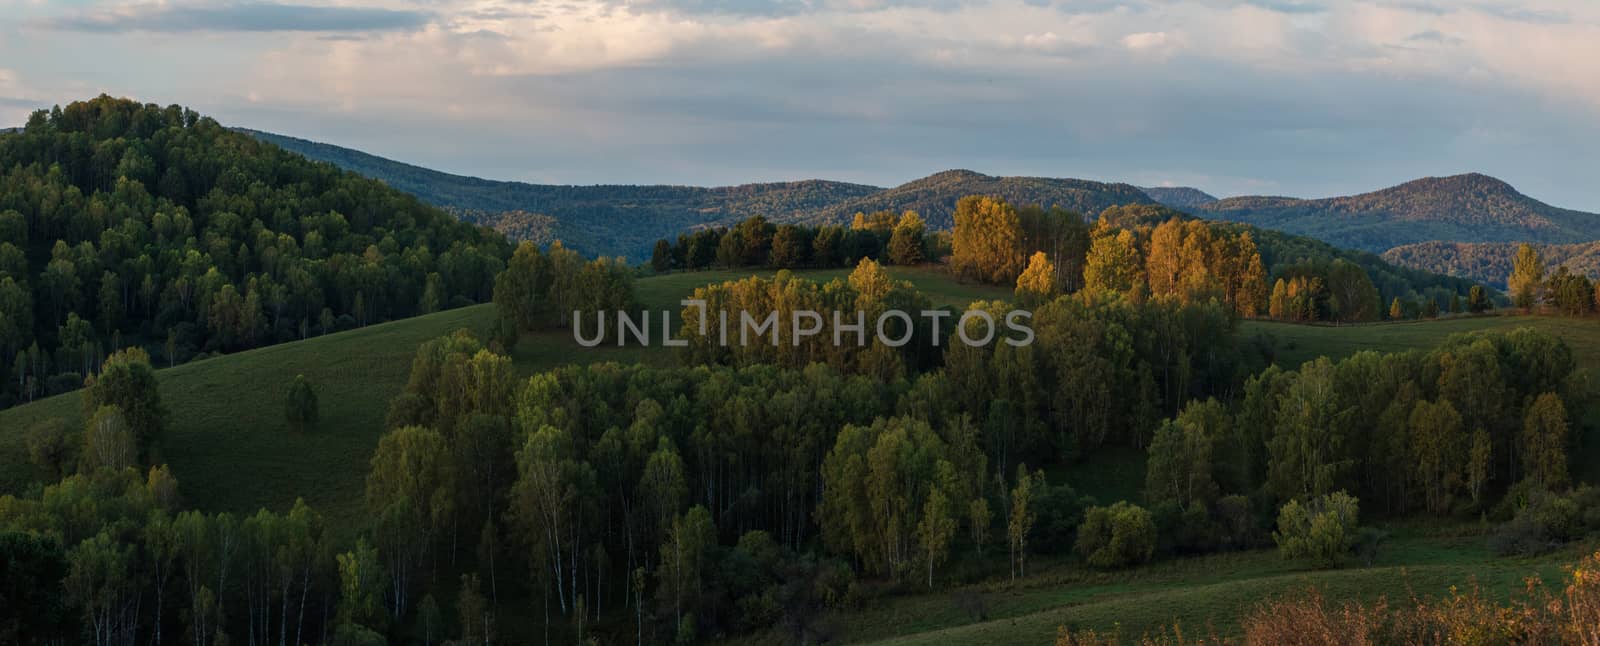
(934, 197)
(1490, 262)
(127, 224)
(1459, 208)
(1179, 197)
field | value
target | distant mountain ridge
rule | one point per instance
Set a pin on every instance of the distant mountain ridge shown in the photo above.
(626, 219)
(1179, 197)
(934, 197)
(598, 220)
(1460, 208)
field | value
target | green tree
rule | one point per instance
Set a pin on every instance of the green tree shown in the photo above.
(661, 257)
(300, 405)
(108, 442)
(685, 560)
(1113, 263)
(1021, 518)
(1322, 530)
(1478, 299)
(1440, 451)
(935, 530)
(905, 246)
(409, 494)
(1117, 536)
(1544, 443)
(128, 382)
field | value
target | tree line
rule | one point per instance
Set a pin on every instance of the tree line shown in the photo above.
(884, 236)
(125, 225)
(1148, 251)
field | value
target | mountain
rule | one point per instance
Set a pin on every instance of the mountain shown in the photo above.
(1490, 262)
(596, 220)
(1179, 197)
(1460, 208)
(625, 220)
(934, 197)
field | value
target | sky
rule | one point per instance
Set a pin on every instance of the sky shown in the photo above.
(1309, 98)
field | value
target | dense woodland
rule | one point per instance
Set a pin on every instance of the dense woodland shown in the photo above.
(129, 225)
(1491, 262)
(751, 490)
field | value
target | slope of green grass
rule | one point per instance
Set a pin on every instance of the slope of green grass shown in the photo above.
(230, 447)
(1299, 343)
(1200, 594)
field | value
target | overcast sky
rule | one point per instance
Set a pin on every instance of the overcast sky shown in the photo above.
(1296, 97)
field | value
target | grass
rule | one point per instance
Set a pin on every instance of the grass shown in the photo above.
(1298, 343)
(230, 446)
(1200, 594)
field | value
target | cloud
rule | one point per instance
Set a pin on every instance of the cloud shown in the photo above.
(237, 16)
(1308, 97)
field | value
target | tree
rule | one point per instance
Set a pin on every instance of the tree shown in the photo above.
(1278, 303)
(477, 616)
(1113, 263)
(128, 382)
(905, 246)
(1544, 443)
(1117, 536)
(1180, 463)
(1478, 299)
(108, 442)
(684, 561)
(1397, 311)
(32, 609)
(935, 530)
(1322, 530)
(300, 405)
(791, 247)
(1021, 518)
(409, 493)
(361, 583)
(1440, 451)
(49, 447)
(1527, 277)
(986, 244)
(1037, 284)
(661, 257)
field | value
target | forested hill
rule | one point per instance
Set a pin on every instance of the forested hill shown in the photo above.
(1460, 208)
(126, 224)
(934, 197)
(1490, 262)
(1179, 197)
(595, 220)
(624, 220)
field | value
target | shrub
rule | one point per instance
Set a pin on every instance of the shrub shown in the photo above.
(1543, 523)
(1117, 536)
(1322, 530)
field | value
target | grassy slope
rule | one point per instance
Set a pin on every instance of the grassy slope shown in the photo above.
(1300, 343)
(1200, 594)
(230, 447)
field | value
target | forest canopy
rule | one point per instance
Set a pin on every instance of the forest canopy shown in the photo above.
(126, 224)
